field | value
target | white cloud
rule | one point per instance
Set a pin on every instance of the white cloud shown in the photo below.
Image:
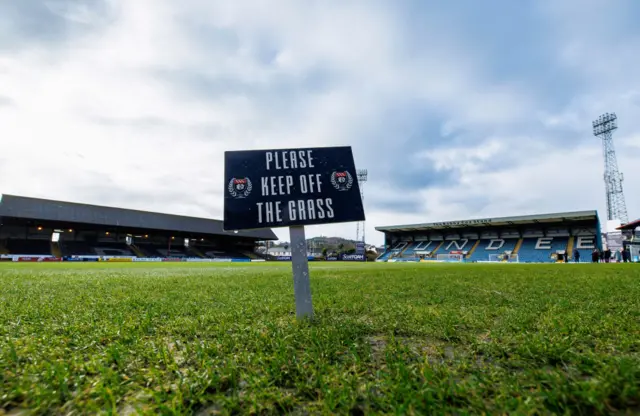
(136, 108)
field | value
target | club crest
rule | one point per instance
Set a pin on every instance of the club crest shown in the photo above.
(239, 187)
(342, 181)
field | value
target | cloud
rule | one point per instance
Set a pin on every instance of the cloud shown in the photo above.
(5, 101)
(455, 111)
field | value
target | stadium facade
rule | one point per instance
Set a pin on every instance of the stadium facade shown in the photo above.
(33, 229)
(530, 238)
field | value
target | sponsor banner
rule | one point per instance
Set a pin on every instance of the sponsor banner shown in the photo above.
(257, 260)
(360, 249)
(15, 256)
(353, 257)
(146, 259)
(35, 259)
(119, 260)
(76, 259)
(172, 259)
(220, 260)
(288, 258)
(332, 258)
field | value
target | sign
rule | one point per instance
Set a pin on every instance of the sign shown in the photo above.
(360, 248)
(288, 187)
(467, 222)
(291, 188)
(289, 258)
(353, 257)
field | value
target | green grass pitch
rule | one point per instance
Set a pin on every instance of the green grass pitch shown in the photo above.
(387, 338)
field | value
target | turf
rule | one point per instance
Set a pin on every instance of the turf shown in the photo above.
(387, 338)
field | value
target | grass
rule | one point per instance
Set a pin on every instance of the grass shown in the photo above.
(387, 338)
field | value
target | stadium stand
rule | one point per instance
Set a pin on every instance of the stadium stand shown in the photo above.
(631, 238)
(529, 239)
(493, 246)
(539, 250)
(40, 228)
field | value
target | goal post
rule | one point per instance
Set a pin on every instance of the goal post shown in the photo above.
(450, 257)
(504, 258)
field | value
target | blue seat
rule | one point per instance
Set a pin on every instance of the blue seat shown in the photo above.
(528, 252)
(483, 250)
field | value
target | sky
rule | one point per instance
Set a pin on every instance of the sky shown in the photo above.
(458, 110)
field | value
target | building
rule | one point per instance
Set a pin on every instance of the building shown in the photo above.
(40, 227)
(631, 238)
(530, 238)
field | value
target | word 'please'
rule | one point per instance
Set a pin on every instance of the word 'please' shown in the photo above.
(289, 159)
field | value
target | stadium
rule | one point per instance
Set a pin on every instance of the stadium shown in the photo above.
(34, 229)
(528, 239)
(109, 310)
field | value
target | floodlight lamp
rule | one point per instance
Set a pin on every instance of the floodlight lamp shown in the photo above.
(39, 228)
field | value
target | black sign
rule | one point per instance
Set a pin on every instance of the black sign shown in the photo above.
(287, 187)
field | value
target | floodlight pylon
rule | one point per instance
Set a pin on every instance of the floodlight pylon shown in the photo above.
(603, 128)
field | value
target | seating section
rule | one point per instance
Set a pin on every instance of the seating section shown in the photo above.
(453, 245)
(385, 256)
(539, 250)
(492, 246)
(70, 248)
(420, 246)
(216, 253)
(82, 248)
(394, 251)
(29, 247)
(532, 250)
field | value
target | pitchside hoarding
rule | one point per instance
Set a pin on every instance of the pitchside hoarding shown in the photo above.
(290, 187)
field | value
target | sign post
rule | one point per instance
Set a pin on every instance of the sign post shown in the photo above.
(300, 267)
(292, 188)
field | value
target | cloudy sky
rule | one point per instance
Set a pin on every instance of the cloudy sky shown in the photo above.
(458, 109)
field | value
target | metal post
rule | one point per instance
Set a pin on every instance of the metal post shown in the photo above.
(300, 267)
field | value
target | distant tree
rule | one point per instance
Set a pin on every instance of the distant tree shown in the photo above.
(324, 252)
